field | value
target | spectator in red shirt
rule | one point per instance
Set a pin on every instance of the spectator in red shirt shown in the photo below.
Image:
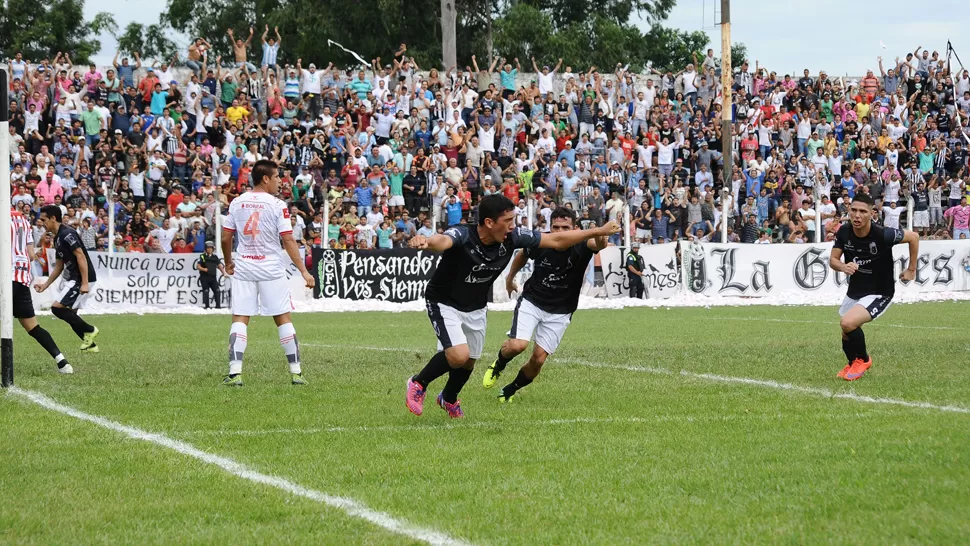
(174, 199)
(180, 247)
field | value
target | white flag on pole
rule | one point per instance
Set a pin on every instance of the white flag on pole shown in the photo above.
(356, 56)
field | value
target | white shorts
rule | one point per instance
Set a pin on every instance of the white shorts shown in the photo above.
(69, 294)
(548, 327)
(644, 234)
(396, 201)
(260, 298)
(921, 218)
(876, 304)
(453, 327)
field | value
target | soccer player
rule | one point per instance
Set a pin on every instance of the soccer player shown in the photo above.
(258, 277)
(79, 275)
(546, 305)
(868, 251)
(22, 252)
(456, 297)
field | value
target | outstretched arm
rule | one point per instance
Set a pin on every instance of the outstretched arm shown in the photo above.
(565, 239)
(435, 243)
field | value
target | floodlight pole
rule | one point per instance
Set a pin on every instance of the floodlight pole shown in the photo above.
(6, 260)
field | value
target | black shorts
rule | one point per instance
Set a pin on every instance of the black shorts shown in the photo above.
(23, 305)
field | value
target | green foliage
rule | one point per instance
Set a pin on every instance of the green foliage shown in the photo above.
(149, 41)
(40, 30)
(583, 33)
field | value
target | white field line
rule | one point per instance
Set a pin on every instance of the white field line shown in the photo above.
(438, 426)
(508, 424)
(826, 393)
(347, 505)
(834, 323)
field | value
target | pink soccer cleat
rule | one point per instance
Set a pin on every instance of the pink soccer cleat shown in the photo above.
(415, 397)
(454, 410)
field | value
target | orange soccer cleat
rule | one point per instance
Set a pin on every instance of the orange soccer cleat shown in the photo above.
(858, 369)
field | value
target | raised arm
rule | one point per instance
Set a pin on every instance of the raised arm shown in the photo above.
(435, 243)
(565, 239)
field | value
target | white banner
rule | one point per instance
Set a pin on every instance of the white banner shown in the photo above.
(715, 269)
(137, 281)
(660, 272)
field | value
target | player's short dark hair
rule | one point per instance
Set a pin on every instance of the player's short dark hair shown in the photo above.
(493, 206)
(52, 211)
(262, 169)
(563, 212)
(864, 198)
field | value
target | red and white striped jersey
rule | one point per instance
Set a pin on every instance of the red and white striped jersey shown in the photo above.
(21, 239)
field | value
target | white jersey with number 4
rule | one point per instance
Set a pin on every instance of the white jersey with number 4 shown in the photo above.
(258, 219)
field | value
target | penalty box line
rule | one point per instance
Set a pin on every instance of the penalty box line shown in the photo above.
(752, 382)
(347, 505)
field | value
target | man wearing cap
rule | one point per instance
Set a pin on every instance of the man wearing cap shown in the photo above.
(147, 85)
(207, 264)
(634, 268)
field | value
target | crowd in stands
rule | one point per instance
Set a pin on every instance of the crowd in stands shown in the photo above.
(389, 150)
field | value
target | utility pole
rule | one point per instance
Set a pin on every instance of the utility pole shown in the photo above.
(727, 80)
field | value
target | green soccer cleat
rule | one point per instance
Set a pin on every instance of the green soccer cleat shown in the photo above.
(297, 379)
(233, 381)
(502, 399)
(491, 375)
(92, 349)
(87, 342)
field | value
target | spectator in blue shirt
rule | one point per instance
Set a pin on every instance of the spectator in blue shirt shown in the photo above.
(364, 195)
(453, 210)
(753, 181)
(569, 154)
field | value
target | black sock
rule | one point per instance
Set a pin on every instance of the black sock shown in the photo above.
(848, 349)
(520, 381)
(47, 342)
(502, 362)
(77, 323)
(436, 367)
(858, 341)
(456, 380)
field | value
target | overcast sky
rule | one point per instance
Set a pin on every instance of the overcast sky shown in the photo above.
(838, 36)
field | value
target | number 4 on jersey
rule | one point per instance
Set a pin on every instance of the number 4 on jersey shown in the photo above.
(251, 229)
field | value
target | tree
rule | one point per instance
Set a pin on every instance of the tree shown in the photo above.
(40, 30)
(149, 42)
(581, 32)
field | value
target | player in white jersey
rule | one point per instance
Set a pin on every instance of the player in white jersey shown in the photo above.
(22, 253)
(258, 276)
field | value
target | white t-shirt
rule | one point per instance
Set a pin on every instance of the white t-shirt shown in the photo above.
(824, 209)
(955, 190)
(808, 216)
(545, 83)
(258, 219)
(165, 237)
(891, 216)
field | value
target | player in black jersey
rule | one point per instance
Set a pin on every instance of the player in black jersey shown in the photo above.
(546, 305)
(457, 295)
(868, 251)
(79, 275)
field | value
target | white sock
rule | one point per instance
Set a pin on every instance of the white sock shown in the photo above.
(237, 347)
(290, 346)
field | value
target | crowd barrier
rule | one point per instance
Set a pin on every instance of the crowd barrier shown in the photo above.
(704, 272)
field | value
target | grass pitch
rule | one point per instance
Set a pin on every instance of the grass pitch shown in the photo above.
(724, 425)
